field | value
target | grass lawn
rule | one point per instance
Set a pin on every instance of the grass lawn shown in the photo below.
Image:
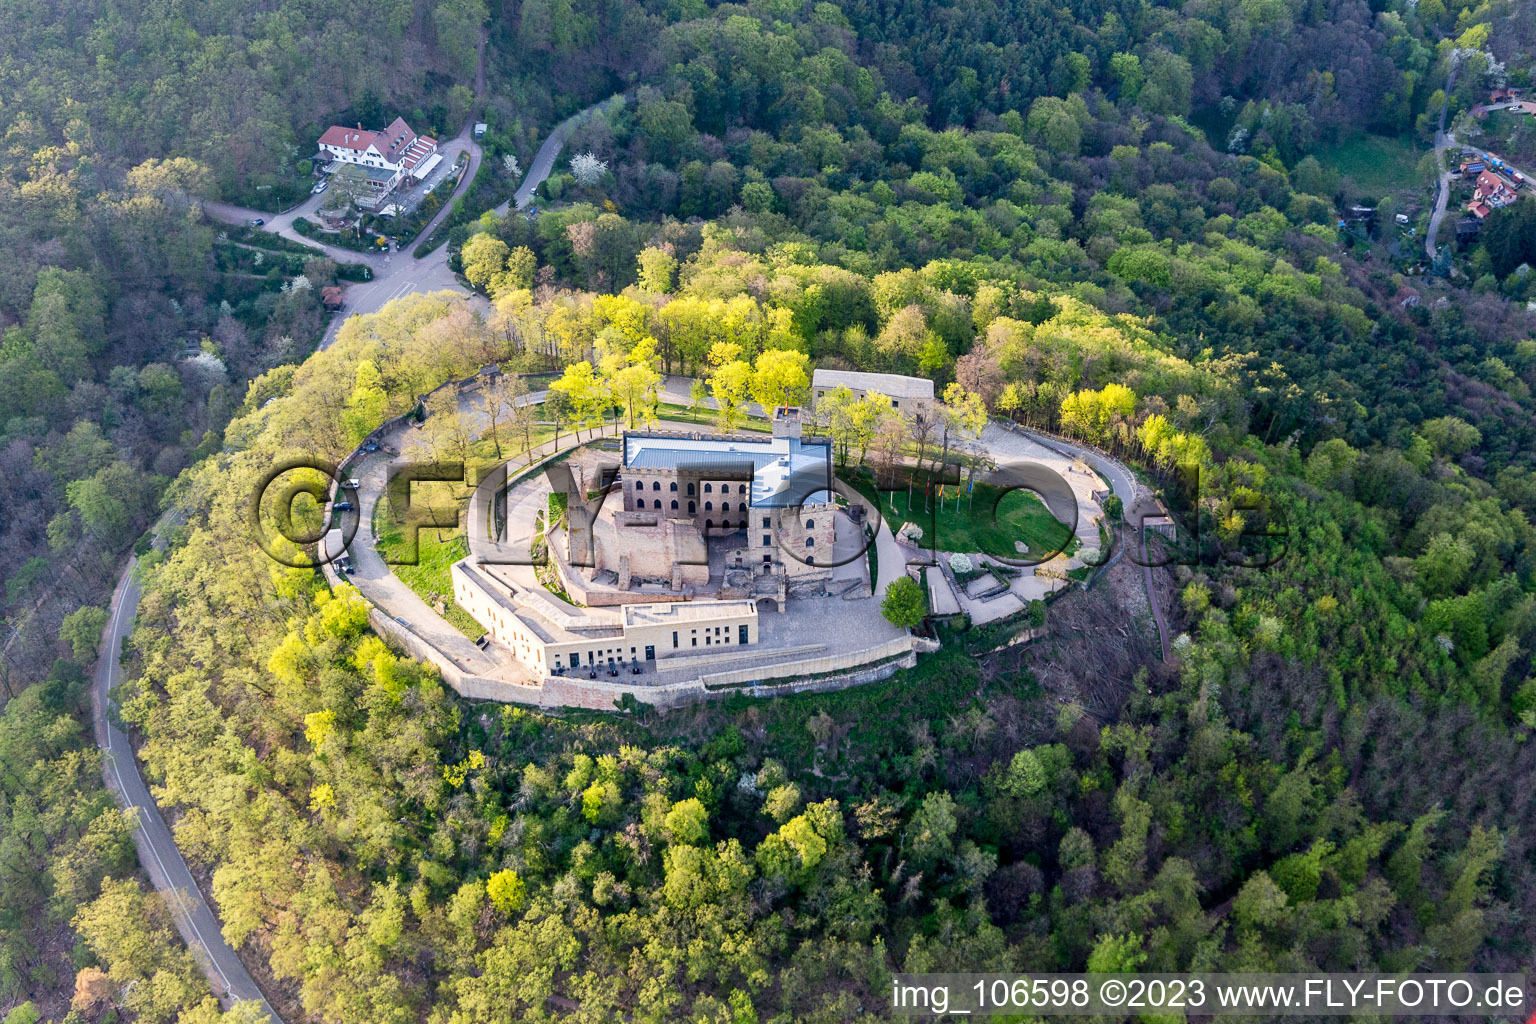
(977, 523)
(706, 418)
(436, 550)
(1376, 163)
(484, 450)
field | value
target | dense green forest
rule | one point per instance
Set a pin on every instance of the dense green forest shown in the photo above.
(1045, 205)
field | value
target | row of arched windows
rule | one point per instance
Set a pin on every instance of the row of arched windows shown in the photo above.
(708, 488)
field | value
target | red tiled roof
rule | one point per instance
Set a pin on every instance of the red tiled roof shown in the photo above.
(395, 140)
(397, 143)
(348, 138)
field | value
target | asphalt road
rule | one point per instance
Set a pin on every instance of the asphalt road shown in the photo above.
(395, 275)
(157, 849)
(1442, 140)
(544, 159)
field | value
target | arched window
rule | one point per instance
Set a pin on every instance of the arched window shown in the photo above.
(742, 524)
(690, 488)
(674, 486)
(708, 488)
(656, 486)
(741, 488)
(725, 506)
(810, 524)
(656, 504)
(810, 559)
(639, 485)
(810, 542)
(674, 504)
(709, 524)
(690, 508)
(709, 506)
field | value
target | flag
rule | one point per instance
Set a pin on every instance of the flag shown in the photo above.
(972, 487)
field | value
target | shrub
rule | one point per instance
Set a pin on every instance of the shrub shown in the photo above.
(905, 604)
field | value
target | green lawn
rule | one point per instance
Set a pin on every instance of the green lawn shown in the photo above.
(976, 523)
(429, 578)
(706, 418)
(1376, 163)
(484, 450)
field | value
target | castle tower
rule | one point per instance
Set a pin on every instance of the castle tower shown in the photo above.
(786, 421)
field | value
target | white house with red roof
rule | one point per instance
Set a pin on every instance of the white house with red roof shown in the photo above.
(1491, 193)
(389, 157)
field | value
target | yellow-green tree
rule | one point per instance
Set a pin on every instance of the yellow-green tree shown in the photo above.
(780, 377)
(730, 386)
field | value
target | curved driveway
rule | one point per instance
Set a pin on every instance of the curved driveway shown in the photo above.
(398, 274)
(544, 159)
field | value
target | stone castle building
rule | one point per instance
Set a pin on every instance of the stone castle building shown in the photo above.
(763, 505)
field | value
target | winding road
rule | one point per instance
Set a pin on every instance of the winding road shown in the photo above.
(156, 845)
(1442, 140)
(394, 275)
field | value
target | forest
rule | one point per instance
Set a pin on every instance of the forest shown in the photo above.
(1105, 220)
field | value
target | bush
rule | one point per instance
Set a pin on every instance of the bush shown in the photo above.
(960, 564)
(905, 604)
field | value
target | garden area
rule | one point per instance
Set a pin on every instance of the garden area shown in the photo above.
(987, 519)
(346, 238)
(425, 570)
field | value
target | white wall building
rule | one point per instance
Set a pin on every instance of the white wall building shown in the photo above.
(390, 156)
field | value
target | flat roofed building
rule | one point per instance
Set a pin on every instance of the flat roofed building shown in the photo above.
(912, 395)
(546, 638)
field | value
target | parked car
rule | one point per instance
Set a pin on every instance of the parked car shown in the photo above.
(343, 506)
(353, 484)
(324, 184)
(402, 622)
(254, 222)
(370, 447)
(428, 190)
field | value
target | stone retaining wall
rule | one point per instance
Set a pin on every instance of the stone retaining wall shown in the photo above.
(810, 675)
